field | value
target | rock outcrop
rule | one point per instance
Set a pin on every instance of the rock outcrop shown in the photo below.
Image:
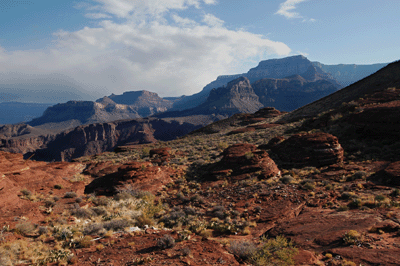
(241, 159)
(309, 149)
(132, 175)
(293, 92)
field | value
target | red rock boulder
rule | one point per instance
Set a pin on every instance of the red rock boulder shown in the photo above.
(137, 175)
(309, 149)
(245, 159)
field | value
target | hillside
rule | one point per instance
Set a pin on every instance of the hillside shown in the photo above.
(387, 77)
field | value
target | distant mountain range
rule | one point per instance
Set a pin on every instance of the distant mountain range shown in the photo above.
(340, 75)
(285, 84)
(78, 128)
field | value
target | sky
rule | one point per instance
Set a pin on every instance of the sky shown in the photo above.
(55, 51)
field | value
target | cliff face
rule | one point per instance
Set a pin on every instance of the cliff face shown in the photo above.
(95, 138)
(237, 97)
(291, 93)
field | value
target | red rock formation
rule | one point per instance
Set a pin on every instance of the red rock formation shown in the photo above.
(160, 155)
(316, 149)
(137, 175)
(246, 159)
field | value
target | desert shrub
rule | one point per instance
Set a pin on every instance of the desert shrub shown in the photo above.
(49, 203)
(352, 237)
(145, 152)
(165, 242)
(62, 233)
(355, 204)
(26, 192)
(173, 218)
(307, 184)
(242, 249)
(55, 198)
(343, 208)
(222, 145)
(116, 224)
(43, 230)
(197, 226)
(24, 228)
(85, 242)
(78, 200)
(248, 155)
(92, 229)
(57, 186)
(358, 175)
(278, 251)
(144, 220)
(380, 198)
(287, 179)
(70, 194)
(347, 195)
(189, 211)
(101, 201)
(82, 213)
(235, 213)
(99, 211)
(196, 198)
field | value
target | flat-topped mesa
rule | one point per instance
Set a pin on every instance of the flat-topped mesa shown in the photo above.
(309, 149)
(279, 68)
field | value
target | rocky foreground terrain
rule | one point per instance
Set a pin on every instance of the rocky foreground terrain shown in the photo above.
(317, 186)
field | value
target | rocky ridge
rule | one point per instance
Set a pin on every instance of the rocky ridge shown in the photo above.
(95, 138)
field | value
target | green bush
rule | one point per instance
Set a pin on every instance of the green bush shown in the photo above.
(278, 251)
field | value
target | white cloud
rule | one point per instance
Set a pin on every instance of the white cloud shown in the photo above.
(183, 21)
(212, 20)
(97, 15)
(287, 8)
(170, 59)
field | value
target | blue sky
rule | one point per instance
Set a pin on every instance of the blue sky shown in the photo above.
(91, 48)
